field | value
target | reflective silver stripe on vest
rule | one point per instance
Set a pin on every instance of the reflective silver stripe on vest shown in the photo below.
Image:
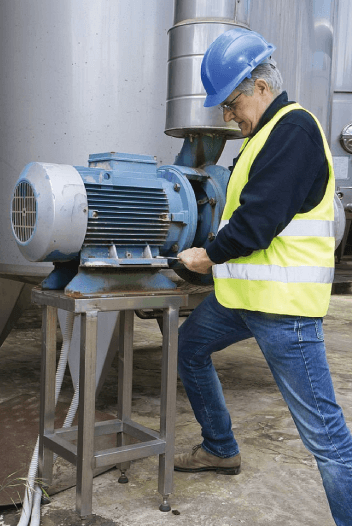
(306, 227)
(303, 227)
(223, 222)
(274, 273)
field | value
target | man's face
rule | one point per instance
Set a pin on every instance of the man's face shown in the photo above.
(247, 110)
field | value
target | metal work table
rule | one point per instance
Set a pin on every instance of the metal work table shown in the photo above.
(150, 442)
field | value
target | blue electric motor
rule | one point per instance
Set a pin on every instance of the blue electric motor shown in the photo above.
(114, 224)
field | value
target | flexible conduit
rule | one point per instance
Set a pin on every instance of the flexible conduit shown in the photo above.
(33, 494)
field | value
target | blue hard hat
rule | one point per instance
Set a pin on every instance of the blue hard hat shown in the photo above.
(230, 59)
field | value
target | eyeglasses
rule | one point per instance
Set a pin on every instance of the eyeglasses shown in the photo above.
(228, 106)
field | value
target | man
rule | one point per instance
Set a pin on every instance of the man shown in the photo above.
(272, 262)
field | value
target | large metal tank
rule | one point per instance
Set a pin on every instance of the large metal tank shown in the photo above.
(302, 32)
(341, 116)
(78, 78)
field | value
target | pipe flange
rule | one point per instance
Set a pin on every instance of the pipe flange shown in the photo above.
(346, 138)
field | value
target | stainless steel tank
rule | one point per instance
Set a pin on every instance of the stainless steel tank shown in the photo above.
(197, 23)
(341, 116)
(77, 78)
(302, 32)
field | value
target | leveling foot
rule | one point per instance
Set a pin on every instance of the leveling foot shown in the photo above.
(165, 506)
(122, 478)
(45, 499)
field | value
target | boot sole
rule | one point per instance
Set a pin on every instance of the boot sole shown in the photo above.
(220, 471)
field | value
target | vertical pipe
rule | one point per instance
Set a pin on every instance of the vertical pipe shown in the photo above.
(242, 12)
(197, 23)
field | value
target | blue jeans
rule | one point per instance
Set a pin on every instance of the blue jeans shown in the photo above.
(294, 349)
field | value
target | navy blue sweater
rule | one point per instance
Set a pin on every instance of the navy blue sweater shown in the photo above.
(289, 176)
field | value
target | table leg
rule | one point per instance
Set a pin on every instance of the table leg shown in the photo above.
(86, 413)
(168, 402)
(47, 392)
(124, 398)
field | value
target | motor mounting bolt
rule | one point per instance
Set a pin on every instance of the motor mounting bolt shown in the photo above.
(177, 187)
(339, 195)
(174, 247)
(95, 214)
(211, 236)
(128, 255)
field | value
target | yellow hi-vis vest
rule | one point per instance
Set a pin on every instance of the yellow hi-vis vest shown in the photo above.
(294, 274)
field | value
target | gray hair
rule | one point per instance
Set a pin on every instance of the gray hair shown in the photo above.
(266, 71)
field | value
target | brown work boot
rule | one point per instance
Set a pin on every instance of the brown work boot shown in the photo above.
(201, 460)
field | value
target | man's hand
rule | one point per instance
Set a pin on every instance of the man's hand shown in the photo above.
(197, 260)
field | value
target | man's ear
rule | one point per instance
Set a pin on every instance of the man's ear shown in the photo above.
(262, 85)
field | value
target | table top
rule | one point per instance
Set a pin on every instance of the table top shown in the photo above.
(110, 302)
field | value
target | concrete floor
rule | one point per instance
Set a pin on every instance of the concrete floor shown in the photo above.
(279, 484)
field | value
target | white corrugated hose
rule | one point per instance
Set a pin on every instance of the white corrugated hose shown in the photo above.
(33, 494)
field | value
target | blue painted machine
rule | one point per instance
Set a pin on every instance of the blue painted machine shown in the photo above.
(113, 225)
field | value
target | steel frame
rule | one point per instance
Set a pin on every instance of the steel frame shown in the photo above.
(82, 455)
